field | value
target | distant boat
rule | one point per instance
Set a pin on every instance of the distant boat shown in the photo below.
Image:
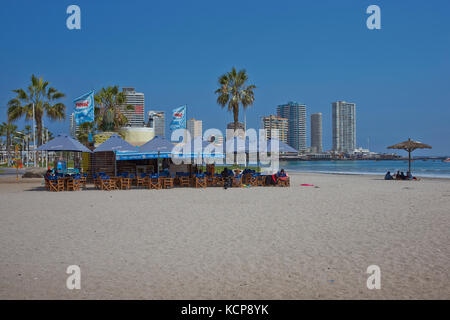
(446, 160)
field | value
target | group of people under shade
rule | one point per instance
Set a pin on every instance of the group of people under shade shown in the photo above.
(228, 175)
(399, 176)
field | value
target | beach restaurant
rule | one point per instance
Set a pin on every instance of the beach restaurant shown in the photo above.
(161, 164)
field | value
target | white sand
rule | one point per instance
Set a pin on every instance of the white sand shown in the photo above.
(255, 243)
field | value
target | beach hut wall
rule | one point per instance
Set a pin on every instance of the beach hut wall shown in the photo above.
(103, 162)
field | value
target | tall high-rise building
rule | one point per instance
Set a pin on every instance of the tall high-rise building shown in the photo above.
(316, 132)
(156, 120)
(344, 126)
(296, 115)
(135, 115)
(195, 128)
(240, 128)
(74, 128)
(274, 123)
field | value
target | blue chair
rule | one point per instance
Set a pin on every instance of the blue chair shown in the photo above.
(155, 181)
(141, 180)
(200, 181)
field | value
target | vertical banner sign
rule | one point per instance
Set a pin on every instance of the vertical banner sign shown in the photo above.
(84, 108)
(178, 118)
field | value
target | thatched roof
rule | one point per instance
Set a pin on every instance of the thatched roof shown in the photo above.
(410, 145)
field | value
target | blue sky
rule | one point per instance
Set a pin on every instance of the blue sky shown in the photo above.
(314, 52)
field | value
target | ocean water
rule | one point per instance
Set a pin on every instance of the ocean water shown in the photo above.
(420, 168)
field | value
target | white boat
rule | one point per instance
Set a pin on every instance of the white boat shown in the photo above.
(446, 160)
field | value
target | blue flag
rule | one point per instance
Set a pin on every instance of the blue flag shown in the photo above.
(178, 118)
(84, 108)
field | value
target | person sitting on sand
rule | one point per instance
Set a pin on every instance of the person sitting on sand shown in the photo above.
(388, 176)
(227, 178)
(282, 175)
(49, 172)
(409, 176)
(402, 176)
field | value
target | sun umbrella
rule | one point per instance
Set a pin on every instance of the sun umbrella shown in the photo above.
(63, 143)
(114, 143)
(410, 146)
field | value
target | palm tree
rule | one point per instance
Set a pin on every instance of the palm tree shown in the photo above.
(83, 133)
(108, 112)
(234, 91)
(8, 130)
(50, 135)
(43, 97)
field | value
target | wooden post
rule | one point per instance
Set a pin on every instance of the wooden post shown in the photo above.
(409, 157)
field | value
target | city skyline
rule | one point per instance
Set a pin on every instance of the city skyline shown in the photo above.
(390, 73)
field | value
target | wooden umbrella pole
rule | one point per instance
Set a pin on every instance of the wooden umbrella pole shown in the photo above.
(409, 153)
(115, 164)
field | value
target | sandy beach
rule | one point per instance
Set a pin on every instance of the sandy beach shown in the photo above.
(242, 243)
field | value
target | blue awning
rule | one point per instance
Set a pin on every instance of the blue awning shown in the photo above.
(160, 147)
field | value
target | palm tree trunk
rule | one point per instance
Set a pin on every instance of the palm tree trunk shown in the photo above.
(236, 118)
(39, 130)
(236, 121)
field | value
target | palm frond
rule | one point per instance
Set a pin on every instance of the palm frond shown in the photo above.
(56, 111)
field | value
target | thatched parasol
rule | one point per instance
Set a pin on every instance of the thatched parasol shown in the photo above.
(410, 146)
